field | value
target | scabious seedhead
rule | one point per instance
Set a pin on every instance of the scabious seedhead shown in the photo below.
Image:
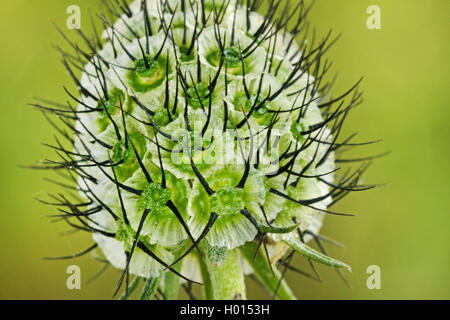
(204, 146)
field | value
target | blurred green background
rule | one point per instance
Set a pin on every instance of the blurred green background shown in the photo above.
(403, 227)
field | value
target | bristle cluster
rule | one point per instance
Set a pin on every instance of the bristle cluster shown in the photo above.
(200, 127)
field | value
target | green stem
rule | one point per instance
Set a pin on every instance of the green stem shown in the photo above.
(172, 283)
(264, 274)
(227, 280)
(150, 287)
(207, 285)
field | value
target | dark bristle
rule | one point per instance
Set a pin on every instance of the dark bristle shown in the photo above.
(77, 255)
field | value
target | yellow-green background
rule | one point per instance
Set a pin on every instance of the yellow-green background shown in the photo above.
(403, 227)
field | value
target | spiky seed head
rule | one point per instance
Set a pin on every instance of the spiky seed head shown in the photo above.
(200, 125)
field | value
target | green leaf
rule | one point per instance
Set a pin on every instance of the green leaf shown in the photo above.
(264, 274)
(315, 255)
(150, 287)
(272, 229)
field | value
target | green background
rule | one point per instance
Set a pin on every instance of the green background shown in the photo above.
(402, 227)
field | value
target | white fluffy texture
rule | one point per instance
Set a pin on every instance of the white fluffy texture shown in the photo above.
(232, 235)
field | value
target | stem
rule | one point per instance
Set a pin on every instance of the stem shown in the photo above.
(264, 274)
(150, 287)
(172, 283)
(207, 285)
(227, 280)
